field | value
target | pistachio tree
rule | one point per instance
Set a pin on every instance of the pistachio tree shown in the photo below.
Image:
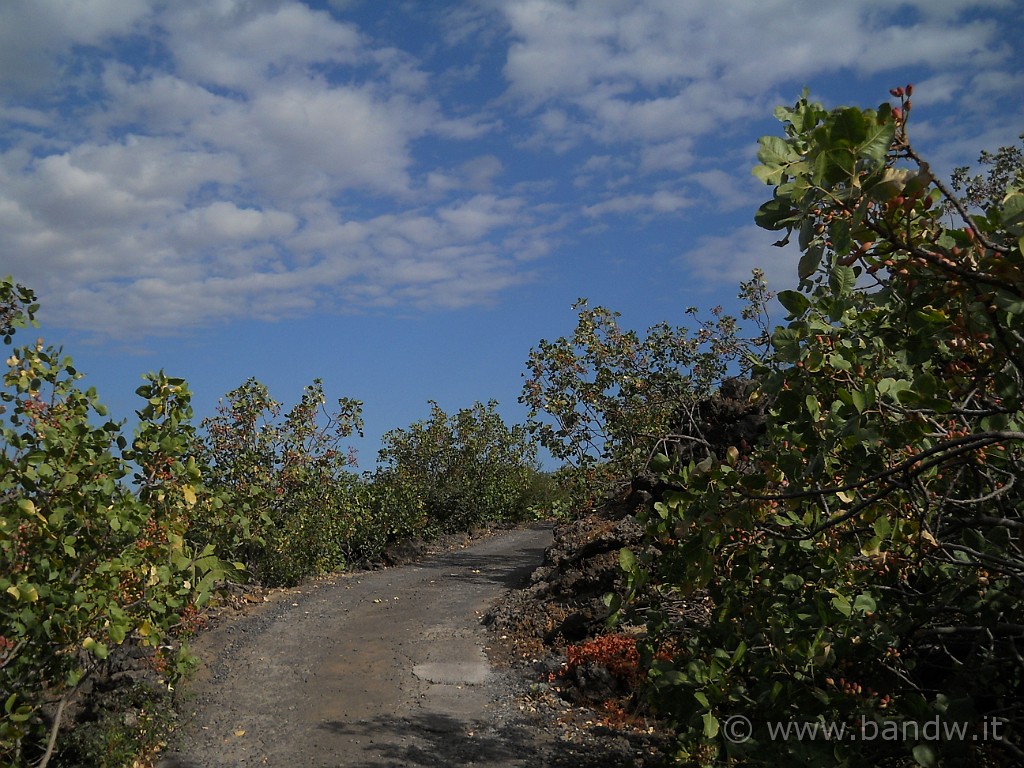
(606, 399)
(90, 558)
(865, 562)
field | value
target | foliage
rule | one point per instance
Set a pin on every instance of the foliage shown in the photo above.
(85, 563)
(288, 505)
(17, 308)
(106, 541)
(546, 497)
(617, 653)
(128, 722)
(605, 399)
(449, 473)
(865, 561)
(988, 190)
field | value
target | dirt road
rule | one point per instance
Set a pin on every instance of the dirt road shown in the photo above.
(382, 668)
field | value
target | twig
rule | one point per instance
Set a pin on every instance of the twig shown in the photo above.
(55, 728)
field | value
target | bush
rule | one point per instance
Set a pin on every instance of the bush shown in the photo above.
(450, 473)
(128, 722)
(87, 562)
(287, 506)
(605, 400)
(865, 559)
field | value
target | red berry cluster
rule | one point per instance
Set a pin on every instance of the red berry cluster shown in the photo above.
(902, 93)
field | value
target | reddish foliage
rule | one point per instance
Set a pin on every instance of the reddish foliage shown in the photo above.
(616, 653)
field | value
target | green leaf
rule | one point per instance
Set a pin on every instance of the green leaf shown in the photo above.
(786, 342)
(840, 363)
(809, 261)
(1013, 213)
(872, 547)
(806, 233)
(888, 184)
(926, 384)
(794, 301)
(776, 214)
(842, 605)
(702, 700)
(813, 409)
(741, 651)
(925, 756)
(1009, 303)
(860, 400)
(117, 633)
(627, 560)
(775, 151)
(864, 603)
(842, 280)
(849, 127)
(834, 166)
(792, 581)
(891, 386)
(710, 725)
(660, 463)
(877, 141)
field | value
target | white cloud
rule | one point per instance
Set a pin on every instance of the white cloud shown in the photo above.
(479, 215)
(480, 173)
(225, 221)
(167, 165)
(644, 205)
(64, 194)
(239, 45)
(729, 191)
(307, 140)
(235, 172)
(653, 71)
(730, 258)
(36, 36)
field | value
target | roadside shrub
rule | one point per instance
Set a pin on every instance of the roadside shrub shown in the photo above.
(606, 399)
(86, 562)
(454, 472)
(127, 723)
(395, 512)
(865, 559)
(288, 505)
(546, 497)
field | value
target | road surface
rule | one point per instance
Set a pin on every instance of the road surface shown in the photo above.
(379, 668)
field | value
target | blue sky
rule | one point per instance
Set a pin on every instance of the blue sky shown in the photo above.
(402, 198)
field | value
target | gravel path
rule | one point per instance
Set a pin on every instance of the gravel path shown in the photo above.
(381, 668)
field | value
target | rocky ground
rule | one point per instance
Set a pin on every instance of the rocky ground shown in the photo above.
(543, 631)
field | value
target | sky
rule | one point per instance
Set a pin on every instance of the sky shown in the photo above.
(403, 198)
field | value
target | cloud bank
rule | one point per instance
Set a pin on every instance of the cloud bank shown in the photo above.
(166, 166)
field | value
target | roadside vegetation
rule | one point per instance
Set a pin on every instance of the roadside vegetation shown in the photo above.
(865, 558)
(112, 544)
(862, 551)
(862, 558)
